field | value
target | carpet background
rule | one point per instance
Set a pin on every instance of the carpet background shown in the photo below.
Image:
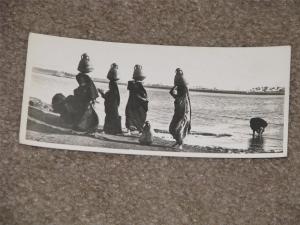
(46, 186)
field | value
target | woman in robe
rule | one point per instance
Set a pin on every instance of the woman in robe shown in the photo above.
(77, 110)
(137, 105)
(112, 124)
(180, 125)
(84, 80)
(84, 98)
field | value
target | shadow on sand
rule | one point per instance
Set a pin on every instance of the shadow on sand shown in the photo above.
(50, 123)
(45, 126)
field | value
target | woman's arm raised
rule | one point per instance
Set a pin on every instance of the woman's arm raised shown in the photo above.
(172, 92)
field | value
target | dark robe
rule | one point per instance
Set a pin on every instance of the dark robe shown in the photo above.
(180, 125)
(112, 124)
(90, 87)
(77, 110)
(137, 106)
(84, 97)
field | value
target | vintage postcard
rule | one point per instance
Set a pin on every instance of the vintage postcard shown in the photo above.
(123, 98)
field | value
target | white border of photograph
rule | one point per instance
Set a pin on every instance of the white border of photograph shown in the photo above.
(24, 116)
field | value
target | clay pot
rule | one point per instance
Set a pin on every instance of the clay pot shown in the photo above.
(113, 72)
(138, 74)
(84, 65)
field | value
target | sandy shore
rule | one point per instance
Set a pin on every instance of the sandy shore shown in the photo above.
(45, 126)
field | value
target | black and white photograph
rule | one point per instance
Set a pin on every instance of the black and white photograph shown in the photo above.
(220, 102)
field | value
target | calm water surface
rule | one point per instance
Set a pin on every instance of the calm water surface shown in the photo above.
(215, 114)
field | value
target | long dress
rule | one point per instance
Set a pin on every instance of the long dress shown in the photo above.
(180, 125)
(77, 110)
(137, 106)
(84, 97)
(112, 124)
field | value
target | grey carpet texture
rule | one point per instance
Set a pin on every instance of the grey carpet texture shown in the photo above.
(49, 186)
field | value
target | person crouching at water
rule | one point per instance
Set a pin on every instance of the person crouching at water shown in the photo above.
(137, 105)
(112, 124)
(258, 125)
(180, 125)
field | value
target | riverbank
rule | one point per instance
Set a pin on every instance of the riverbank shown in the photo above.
(45, 126)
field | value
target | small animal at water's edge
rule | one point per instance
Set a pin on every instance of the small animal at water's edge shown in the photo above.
(258, 125)
(147, 134)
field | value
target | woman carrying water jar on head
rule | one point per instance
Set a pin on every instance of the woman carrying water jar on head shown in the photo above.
(180, 125)
(137, 105)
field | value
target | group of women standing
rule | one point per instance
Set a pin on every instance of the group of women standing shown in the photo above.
(137, 105)
(78, 109)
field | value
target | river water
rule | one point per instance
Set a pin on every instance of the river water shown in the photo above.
(218, 120)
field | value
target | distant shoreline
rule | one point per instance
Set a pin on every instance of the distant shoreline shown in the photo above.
(218, 91)
(155, 86)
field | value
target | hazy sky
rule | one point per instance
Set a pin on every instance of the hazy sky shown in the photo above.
(223, 68)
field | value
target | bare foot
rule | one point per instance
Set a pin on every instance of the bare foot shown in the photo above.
(180, 147)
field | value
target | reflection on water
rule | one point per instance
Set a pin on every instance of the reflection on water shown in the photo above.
(256, 144)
